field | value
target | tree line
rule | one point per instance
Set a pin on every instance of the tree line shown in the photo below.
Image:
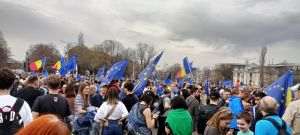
(88, 58)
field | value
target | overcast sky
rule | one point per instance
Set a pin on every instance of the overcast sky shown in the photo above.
(207, 31)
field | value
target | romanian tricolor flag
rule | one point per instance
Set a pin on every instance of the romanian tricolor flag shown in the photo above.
(36, 65)
(57, 65)
(181, 73)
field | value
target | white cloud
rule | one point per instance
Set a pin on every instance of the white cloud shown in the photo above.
(207, 31)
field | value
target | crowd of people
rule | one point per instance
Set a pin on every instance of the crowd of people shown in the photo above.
(63, 106)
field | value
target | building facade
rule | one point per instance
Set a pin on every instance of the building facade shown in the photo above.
(250, 74)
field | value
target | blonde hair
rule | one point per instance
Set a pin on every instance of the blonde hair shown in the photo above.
(222, 114)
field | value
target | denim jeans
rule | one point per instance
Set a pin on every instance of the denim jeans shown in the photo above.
(113, 128)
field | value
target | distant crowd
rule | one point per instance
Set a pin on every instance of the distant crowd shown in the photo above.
(58, 105)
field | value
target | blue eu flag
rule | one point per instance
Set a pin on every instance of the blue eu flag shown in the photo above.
(100, 73)
(279, 88)
(168, 80)
(145, 75)
(187, 65)
(116, 72)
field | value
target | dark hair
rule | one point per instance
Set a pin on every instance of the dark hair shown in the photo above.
(148, 97)
(214, 95)
(149, 83)
(32, 79)
(227, 90)
(259, 94)
(185, 93)
(112, 95)
(53, 82)
(70, 90)
(129, 86)
(178, 102)
(192, 88)
(7, 78)
(245, 116)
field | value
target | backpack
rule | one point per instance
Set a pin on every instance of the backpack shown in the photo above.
(86, 120)
(205, 113)
(83, 124)
(282, 129)
(10, 118)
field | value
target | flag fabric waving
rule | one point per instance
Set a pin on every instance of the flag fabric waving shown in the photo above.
(145, 75)
(278, 89)
(66, 66)
(168, 80)
(207, 87)
(36, 65)
(71, 64)
(187, 66)
(45, 73)
(180, 73)
(116, 72)
(100, 73)
(57, 65)
(228, 84)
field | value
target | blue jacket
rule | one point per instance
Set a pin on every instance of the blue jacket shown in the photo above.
(264, 127)
(236, 107)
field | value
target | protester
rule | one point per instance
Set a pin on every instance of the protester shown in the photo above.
(244, 122)
(256, 113)
(219, 124)
(9, 105)
(31, 90)
(193, 103)
(84, 110)
(292, 114)
(203, 96)
(236, 107)
(82, 100)
(111, 113)
(185, 93)
(43, 86)
(207, 111)
(225, 97)
(179, 116)
(96, 98)
(130, 99)
(46, 125)
(163, 110)
(15, 87)
(53, 103)
(70, 95)
(140, 118)
(246, 99)
(271, 124)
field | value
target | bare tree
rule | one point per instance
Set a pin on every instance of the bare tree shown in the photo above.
(144, 53)
(39, 51)
(141, 53)
(111, 47)
(262, 61)
(4, 51)
(81, 39)
(150, 53)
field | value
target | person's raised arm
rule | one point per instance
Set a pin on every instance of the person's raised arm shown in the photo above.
(150, 121)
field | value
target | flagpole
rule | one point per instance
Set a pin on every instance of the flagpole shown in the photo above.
(133, 73)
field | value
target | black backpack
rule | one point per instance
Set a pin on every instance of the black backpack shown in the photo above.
(205, 113)
(282, 129)
(10, 118)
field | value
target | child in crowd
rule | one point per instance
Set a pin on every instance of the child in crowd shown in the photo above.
(244, 123)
